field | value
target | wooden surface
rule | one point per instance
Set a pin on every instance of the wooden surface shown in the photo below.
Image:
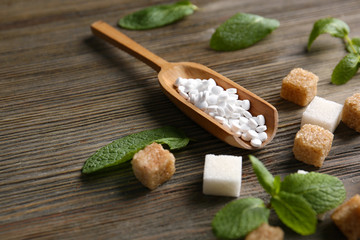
(65, 93)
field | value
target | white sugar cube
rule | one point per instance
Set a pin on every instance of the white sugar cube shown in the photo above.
(322, 112)
(222, 175)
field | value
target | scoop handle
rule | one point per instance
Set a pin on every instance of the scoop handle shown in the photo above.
(120, 40)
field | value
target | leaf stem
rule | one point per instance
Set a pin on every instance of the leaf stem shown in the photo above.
(348, 40)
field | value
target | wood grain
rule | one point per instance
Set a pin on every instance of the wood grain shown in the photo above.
(64, 94)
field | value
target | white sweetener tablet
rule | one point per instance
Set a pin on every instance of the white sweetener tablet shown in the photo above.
(222, 175)
(302, 171)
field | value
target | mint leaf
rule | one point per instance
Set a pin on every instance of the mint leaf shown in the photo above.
(334, 27)
(157, 16)
(242, 30)
(345, 69)
(174, 142)
(322, 191)
(295, 212)
(277, 185)
(239, 217)
(263, 175)
(354, 44)
(123, 149)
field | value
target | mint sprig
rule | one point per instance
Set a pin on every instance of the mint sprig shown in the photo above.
(350, 64)
(296, 200)
(157, 15)
(242, 30)
(123, 149)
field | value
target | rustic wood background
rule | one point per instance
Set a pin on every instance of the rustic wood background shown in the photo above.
(65, 93)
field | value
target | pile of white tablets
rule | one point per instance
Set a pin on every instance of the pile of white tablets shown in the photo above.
(225, 106)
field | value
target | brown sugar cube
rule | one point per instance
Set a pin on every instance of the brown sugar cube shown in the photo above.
(347, 218)
(153, 165)
(299, 86)
(266, 232)
(351, 112)
(312, 144)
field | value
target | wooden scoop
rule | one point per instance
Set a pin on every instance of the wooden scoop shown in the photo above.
(169, 72)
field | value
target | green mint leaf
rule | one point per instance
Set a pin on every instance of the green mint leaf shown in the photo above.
(334, 27)
(157, 16)
(277, 185)
(123, 149)
(345, 69)
(239, 217)
(354, 44)
(263, 175)
(242, 30)
(295, 212)
(173, 142)
(322, 191)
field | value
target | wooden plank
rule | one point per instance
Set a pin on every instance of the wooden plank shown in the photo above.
(64, 94)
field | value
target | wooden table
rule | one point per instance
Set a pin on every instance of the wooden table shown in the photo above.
(64, 94)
